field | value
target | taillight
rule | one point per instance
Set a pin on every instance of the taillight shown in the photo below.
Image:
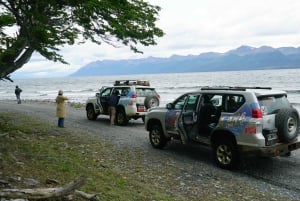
(158, 96)
(133, 96)
(256, 113)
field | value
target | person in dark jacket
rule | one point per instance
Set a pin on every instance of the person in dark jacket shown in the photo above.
(18, 94)
(113, 101)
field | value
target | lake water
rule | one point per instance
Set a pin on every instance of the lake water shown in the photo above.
(169, 86)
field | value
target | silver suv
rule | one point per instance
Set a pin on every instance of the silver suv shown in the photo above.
(136, 96)
(231, 120)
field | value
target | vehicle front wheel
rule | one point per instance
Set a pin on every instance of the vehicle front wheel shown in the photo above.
(90, 113)
(225, 154)
(121, 118)
(157, 137)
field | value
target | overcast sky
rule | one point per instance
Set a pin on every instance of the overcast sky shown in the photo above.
(193, 27)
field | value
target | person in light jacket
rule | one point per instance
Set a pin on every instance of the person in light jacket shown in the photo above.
(61, 108)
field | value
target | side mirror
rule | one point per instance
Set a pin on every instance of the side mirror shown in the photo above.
(98, 94)
(170, 106)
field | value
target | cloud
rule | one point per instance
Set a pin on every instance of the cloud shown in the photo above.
(193, 27)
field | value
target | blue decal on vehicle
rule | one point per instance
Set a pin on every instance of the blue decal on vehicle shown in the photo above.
(237, 122)
(171, 118)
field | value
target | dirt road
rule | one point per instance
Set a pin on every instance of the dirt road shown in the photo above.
(280, 175)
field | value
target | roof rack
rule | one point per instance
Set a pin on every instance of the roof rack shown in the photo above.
(233, 88)
(131, 82)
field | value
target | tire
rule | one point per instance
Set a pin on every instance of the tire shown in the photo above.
(90, 113)
(151, 101)
(157, 137)
(287, 123)
(225, 154)
(121, 118)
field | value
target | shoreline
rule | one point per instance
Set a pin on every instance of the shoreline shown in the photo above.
(43, 101)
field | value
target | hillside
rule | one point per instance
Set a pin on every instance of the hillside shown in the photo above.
(242, 58)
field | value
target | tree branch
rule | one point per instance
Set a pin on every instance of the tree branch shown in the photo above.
(42, 193)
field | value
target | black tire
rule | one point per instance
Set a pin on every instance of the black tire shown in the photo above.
(287, 123)
(225, 154)
(90, 113)
(121, 118)
(157, 137)
(151, 101)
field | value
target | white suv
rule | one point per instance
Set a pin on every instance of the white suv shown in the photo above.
(136, 96)
(231, 120)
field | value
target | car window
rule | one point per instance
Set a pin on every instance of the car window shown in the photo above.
(216, 100)
(123, 91)
(106, 92)
(233, 102)
(192, 102)
(271, 104)
(145, 92)
(179, 103)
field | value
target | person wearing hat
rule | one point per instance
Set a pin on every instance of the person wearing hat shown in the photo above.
(18, 93)
(113, 101)
(61, 108)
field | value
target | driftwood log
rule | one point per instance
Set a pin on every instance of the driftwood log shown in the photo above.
(3, 134)
(45, 193)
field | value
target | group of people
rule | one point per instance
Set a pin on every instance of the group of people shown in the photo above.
(61, 105)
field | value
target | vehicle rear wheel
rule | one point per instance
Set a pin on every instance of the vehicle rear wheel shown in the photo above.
(287, 123)
(157, 137)
(90, 113)
(225, 154)
(121, 118)
(151, 101)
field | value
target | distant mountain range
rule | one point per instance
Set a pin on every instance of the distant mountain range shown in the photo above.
(242, 58)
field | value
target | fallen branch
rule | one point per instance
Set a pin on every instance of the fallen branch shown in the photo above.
(85, 195)
(42, 193)
(4, 134)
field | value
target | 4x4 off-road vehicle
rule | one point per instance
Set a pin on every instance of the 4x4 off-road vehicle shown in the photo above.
(231, 120)
(136, 96)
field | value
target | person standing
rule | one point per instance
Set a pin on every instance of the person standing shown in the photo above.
(61, 108)
(18, 94)
(113, 101)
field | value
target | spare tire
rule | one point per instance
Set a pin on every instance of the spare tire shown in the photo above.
(151, 101)
(287, 123)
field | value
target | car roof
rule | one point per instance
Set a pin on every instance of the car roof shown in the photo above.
(133, 86)
(258, 91)
(261, 92)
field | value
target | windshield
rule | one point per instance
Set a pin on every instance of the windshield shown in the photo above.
(272, 104)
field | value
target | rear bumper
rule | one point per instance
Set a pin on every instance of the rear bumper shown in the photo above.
(133, 112)
(272, 151)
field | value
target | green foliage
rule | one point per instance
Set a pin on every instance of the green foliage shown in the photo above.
(45, 26)
(6, 20)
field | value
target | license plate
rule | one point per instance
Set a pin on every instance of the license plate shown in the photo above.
(271, 139)
(141, 109)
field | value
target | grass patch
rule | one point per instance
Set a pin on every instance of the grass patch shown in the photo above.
(33, 149)
(30, 148)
